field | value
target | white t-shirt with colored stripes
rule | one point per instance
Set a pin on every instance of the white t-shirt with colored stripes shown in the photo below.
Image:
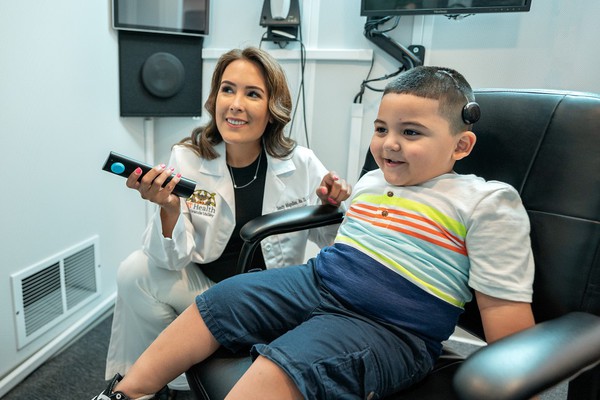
(409, 255)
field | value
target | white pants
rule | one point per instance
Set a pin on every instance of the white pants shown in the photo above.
(148, 299)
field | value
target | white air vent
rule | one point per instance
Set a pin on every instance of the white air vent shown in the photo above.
(48, 292)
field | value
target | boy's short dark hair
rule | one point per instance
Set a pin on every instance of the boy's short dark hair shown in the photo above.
(446, 85)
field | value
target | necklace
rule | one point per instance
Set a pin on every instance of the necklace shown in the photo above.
(253, 179)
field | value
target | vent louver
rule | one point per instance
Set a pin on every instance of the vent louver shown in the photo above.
(80, 276)
(48, 292)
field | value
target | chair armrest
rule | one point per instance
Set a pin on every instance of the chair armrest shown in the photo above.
(285, 221)
(531, 361)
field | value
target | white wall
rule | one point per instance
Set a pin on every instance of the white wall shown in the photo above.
(59, 117)
(552, 46)
(59, 111)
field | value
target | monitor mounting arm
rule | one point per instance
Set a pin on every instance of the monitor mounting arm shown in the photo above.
(410, 57)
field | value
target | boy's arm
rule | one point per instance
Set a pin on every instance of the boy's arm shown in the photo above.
(503, 317)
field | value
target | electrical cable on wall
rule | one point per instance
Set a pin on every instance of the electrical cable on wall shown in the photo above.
(409, 57)
(365, 83)
(406, 57)
(301, 91)
(282, 35)
(373, 23)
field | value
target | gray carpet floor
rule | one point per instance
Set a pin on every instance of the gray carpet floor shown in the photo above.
(75, 373)
(78, 371)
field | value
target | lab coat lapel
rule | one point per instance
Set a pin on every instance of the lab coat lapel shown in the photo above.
(217, 172)
(274, 186)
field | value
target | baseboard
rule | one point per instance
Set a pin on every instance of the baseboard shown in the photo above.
(56, 345)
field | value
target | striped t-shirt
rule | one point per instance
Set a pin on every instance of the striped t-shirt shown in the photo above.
(409, 255)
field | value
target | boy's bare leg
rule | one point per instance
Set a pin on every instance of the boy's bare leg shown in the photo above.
(185, 342)
(264, 380)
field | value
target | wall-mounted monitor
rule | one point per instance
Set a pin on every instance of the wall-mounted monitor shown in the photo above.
(381, 8)
(182, 17)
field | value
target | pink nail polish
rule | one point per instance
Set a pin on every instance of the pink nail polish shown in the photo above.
(332, 201)
(178, 175)
(138, 171)
(162, 166)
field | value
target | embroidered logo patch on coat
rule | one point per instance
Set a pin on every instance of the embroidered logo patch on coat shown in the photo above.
(202, 202)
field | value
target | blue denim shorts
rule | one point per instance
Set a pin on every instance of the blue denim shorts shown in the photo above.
(328, 350)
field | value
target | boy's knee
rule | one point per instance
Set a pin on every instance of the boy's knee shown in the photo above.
(265, 375)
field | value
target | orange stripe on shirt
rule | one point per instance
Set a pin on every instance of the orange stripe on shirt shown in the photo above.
(373, 219)
(440, 231)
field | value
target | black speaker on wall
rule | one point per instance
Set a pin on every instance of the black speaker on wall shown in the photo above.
(160, 75)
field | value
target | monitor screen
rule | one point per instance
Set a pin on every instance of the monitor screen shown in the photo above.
(381, 8)
(184, 17)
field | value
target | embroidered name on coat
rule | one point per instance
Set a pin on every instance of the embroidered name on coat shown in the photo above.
(294, 203)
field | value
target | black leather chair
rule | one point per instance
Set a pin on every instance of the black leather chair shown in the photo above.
(547, 145)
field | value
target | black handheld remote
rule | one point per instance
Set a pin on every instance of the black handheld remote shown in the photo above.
(119, 164)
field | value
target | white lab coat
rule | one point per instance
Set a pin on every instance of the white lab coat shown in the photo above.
(157, 284)
(203, 230)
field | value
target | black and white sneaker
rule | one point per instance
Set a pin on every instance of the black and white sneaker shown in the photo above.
(108, 394)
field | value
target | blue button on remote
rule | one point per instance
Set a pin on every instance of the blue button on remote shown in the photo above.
(117, 168)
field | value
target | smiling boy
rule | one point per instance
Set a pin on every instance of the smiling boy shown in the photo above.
(368, 315)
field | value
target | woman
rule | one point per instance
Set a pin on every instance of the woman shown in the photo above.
(244, 167)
